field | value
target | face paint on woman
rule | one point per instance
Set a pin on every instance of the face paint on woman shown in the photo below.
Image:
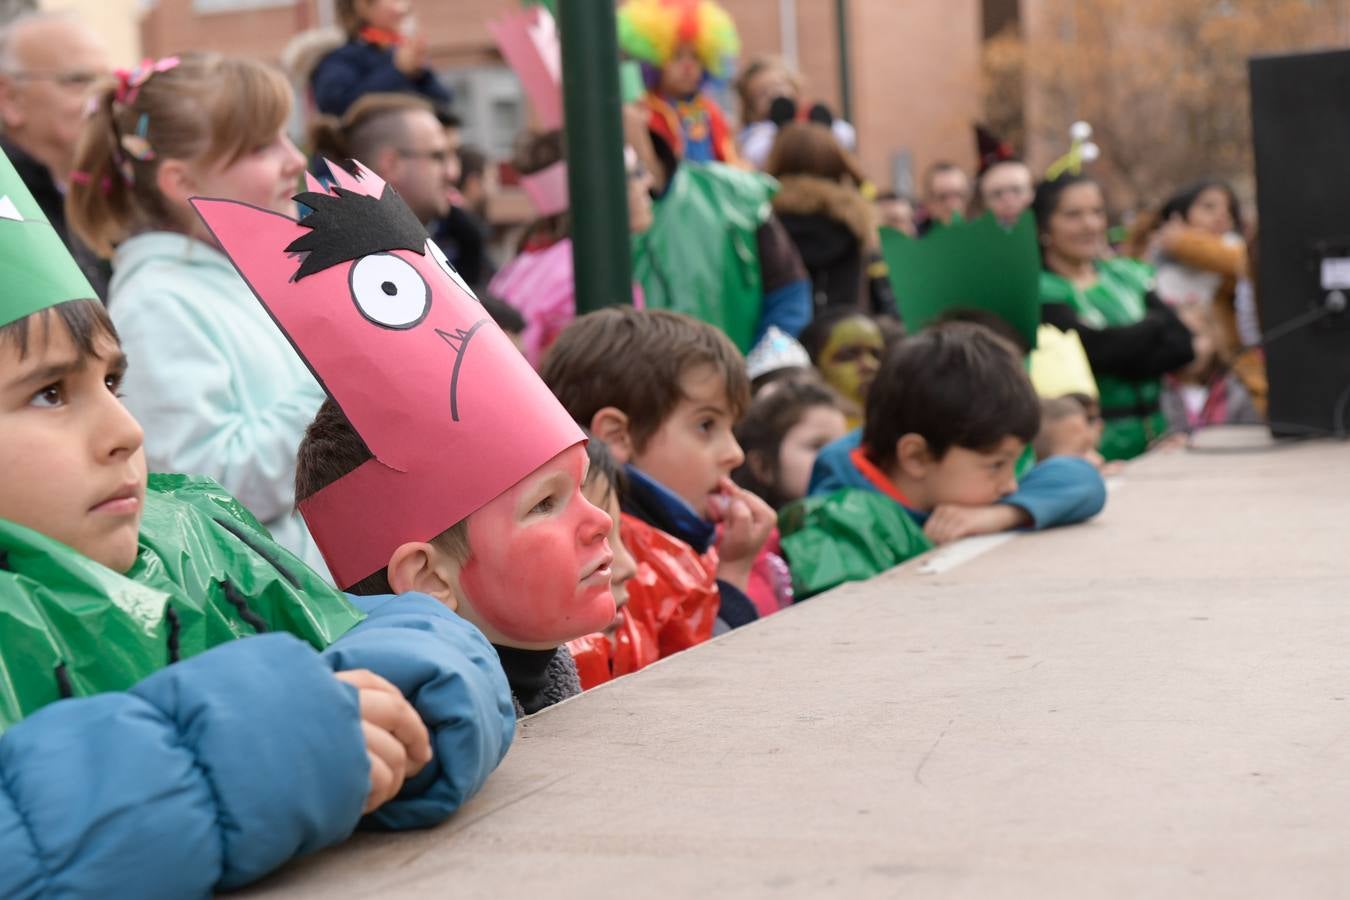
(540, 565)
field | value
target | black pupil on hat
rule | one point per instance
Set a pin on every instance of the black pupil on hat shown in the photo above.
(389, 288)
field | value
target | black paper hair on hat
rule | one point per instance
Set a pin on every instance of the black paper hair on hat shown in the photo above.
(348, 225)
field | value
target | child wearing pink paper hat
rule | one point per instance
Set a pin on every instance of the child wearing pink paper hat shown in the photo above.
(453, 473)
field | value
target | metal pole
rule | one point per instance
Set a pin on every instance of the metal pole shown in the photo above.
(845, 75)
(592, 109)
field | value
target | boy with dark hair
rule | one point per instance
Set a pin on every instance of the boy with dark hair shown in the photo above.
(452, 473)
(947, 419)
(663, 391)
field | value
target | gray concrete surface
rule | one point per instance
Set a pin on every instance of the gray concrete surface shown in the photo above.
(1153, 704)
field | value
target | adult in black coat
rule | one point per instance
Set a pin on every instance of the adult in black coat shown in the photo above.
(833, 226)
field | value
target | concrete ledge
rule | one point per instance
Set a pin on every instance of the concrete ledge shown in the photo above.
(1156, 703)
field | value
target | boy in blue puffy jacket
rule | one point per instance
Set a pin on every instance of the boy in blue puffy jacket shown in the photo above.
(144, 750)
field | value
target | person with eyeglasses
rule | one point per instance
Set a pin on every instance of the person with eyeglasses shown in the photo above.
(48, 65)
(946, 194)
(401, 139)
(1007, 189)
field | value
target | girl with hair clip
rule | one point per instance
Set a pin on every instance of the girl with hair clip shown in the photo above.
(216, 385)
(782, 433)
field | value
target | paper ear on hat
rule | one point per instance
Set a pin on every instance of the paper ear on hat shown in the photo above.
(451, 411)
(529, 42)
(967, 265)
(36, 268)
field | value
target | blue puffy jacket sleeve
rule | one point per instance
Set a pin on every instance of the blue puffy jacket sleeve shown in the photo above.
(451, 674)
(1060, 490)
(203, 777)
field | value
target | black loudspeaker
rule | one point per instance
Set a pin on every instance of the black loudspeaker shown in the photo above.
(1301, 134)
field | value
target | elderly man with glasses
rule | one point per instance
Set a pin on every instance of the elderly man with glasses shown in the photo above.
(48, 65)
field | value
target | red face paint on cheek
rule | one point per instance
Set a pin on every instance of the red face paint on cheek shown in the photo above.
(525, 578)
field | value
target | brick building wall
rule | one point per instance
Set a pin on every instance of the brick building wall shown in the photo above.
(914, 63)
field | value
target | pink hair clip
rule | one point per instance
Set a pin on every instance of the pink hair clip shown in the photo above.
(129, 81)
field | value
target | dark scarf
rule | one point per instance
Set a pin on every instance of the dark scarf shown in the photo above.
(538, 678)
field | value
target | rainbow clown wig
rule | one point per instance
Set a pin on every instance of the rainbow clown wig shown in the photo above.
(652, 30)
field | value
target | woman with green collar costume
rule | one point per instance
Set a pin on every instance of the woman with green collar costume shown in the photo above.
(1131, 338)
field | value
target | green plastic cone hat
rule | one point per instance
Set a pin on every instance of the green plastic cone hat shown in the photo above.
(36, 269)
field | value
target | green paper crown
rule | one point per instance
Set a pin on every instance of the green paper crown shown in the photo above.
(36, 269)
(967, 265)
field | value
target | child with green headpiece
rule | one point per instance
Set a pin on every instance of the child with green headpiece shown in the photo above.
(154, 740)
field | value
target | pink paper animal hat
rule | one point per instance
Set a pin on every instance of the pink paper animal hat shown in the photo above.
(451, 411)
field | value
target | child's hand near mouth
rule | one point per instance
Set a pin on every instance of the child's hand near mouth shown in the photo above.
(745, 523)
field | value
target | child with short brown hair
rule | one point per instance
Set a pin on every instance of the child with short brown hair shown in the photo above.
(664, 391)
(948, 418)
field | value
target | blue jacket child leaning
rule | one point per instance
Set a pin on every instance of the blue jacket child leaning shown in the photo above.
(170, 720)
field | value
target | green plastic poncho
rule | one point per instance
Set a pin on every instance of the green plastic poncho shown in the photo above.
(206, 573)
(849, 535)
(701, 255)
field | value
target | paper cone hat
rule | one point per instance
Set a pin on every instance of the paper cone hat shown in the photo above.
(36, 269)
(967, 265)
(451, 411)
